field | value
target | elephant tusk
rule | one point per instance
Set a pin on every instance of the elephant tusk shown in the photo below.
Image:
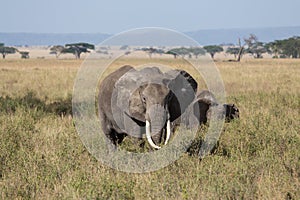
(148, 136)
(168, 131)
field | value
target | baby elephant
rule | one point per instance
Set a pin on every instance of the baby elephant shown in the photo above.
(207, 102)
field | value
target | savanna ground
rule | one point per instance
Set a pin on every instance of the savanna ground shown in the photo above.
(257, 157)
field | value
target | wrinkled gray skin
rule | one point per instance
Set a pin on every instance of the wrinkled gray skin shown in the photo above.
(206, 102)
(127, 98)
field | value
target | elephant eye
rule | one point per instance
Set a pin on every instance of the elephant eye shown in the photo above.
(143, 98)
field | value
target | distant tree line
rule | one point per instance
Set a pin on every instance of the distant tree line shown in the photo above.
(286, 48)
(184, 51)
(75, 48)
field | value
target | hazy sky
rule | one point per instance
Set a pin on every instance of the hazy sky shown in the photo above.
(112, 16)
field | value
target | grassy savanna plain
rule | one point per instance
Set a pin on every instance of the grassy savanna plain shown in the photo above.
(257, 157)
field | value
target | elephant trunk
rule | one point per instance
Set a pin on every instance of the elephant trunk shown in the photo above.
(156, 120)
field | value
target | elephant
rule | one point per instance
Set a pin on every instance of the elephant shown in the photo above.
(134, 102)
(206, 102)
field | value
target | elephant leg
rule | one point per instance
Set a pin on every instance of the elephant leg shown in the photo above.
(113, 135)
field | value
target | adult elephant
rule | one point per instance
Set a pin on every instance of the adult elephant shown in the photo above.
(132, 102)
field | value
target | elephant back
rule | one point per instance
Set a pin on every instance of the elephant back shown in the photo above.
(207, 97)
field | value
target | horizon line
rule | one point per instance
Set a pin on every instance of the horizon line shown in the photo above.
(190, 31)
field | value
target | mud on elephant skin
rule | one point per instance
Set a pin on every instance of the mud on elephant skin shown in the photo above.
(133, 102)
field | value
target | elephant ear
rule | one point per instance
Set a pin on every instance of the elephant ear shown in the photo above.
(136, 108)
(120, 95)
(183, 87)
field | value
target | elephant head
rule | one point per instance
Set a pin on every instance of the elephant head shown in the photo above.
(149, 104)
(232, 112)
(206, 102)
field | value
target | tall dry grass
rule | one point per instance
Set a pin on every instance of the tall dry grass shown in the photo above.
(257, 157)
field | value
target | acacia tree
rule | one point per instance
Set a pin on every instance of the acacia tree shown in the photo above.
(196, 51)
(252, 39)
(233, 50)
(78, 48)
(57, 50)
(182, 51)
(172, 53)
(251, 45)
(6, 50)
(213, 49)
(255, 47)
(24, 54)
(152, 50)
(275, 48)
(257, 50)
